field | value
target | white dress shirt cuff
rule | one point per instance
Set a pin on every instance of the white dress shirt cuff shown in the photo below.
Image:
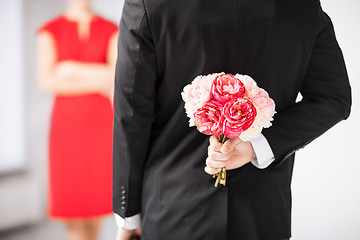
(264, 154)
(128, 223)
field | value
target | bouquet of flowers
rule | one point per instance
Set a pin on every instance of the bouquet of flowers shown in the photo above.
(227, 106)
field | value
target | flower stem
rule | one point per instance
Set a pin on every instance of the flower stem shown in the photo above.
(221, 176)
(222, 138)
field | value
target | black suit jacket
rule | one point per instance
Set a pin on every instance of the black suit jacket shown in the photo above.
(287, 46)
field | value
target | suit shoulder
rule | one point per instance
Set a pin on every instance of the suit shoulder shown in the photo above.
(133, 13)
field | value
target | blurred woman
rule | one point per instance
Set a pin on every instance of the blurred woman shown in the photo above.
(76, 62)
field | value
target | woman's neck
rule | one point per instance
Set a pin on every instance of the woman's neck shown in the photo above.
(76, 13)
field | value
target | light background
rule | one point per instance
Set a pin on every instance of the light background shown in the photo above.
(11, 65)
(326, 191)
(326, 194)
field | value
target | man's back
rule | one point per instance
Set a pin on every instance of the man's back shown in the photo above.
(286, 46)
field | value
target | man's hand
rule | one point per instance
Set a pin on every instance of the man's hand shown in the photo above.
(125, 234)
(234, 153)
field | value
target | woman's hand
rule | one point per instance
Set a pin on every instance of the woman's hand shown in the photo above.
(73, 71)
(65, 69)
(234, 153)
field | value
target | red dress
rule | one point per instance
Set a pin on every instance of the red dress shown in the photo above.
(80, 151)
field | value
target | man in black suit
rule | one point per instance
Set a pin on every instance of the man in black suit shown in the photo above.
(288, 47)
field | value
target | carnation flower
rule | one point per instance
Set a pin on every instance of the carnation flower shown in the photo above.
(254, 130)
(208, 119)
(249, 84)
(265, 107)
(239, 114)
(197, 94)
(226, 87)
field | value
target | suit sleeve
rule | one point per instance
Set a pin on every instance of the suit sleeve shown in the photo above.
(133, 107)
(326, 98)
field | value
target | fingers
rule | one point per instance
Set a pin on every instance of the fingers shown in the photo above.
(229, 145)
(215, 159)
(217, 156)
(214, 163)
(243, 154)
(211, 170)
(215, 145)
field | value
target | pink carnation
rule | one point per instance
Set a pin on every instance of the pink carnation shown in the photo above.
(250, 85)
(239, 115)
(265, 107)
(208, 119)
(197, 94)
(226, 87)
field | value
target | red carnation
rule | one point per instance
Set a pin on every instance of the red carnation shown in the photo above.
(238, 115)
(208, 118)
(226, 87)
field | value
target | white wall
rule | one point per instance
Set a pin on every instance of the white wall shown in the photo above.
(12, 137)
(326, 191)
(13, 188)
(112, 9)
